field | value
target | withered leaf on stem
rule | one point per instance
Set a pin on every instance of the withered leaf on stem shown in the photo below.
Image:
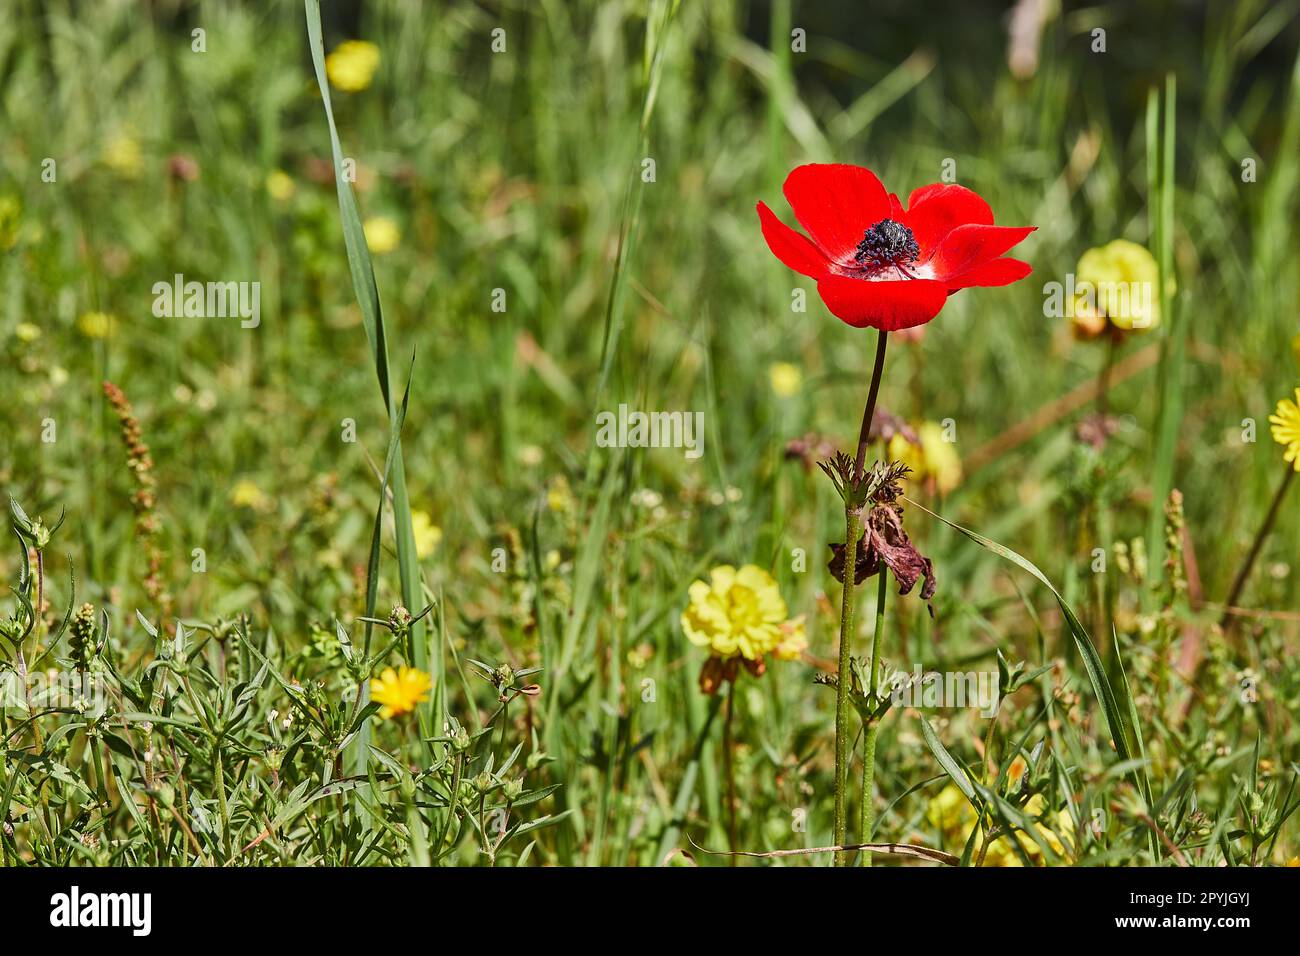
(885, 540)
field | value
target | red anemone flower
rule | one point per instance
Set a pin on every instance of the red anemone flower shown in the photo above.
(879, 265)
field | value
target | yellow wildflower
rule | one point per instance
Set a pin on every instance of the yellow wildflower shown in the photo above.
(786, 378)
(400, 692)
(122, 155)
(736, 613)
(245, 494)
(27, 332)
(1119, 283)
(280, 185)
(1286, 428)
(794, 640)
(559, 497)
(352, 64)
(382, 235)
(427, 534)
(951, 814)
(931, 458)
(10, 219)
(97, 325)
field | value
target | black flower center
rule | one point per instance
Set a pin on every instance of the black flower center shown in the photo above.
(887, 243)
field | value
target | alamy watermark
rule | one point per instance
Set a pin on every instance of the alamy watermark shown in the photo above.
(74, 909)
(934, 690)
(209, 300)
(1131, 301)
(81, 691)
(635, 429)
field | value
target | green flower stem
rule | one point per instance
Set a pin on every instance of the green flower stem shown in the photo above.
(867, 811)
(843, 708)
(853, 528)
(1239, 584)
(219, 778)
(729, 769)
(869, 412)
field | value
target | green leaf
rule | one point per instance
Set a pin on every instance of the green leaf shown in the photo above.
(950, 766)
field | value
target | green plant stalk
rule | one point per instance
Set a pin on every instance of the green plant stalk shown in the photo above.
(1239, 583)
(367, 292)
(1173, 345)
(853, 529)
(219, 778)
(843, 709)
(453, 801)
(729, 765)
(867, 810)
(686, 789)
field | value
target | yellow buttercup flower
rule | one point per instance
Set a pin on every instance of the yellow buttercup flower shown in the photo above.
(1286, 428)
(382, 234)
(10, 219)
(427, 534)
(951, 814)
(737, 613)
(352, 64)
(1118, 282)
(122, 155)
(400, 692)
(280, 185)
(245, 494)
(97, 325)
(932, 458)
(786, 378)
(794, 640)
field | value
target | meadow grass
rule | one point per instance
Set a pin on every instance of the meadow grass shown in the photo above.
(541, 275)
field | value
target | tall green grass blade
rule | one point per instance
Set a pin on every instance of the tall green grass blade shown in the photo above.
(359, 749)
(1118, 722)
(950, 766)
(1173, 330)
(652, 69)
(367, 292)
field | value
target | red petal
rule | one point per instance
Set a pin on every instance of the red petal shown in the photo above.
(895, 208)
(888, 305)
(994, 272)
(971, 245)
(934, 211)
(792, 248)
(836, 204)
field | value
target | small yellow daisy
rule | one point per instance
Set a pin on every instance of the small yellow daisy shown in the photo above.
(351, 66)
(400, 691)
(280, 185)
(10, 219)
(1286, 428)
(97, 325)
(786, 378)
(934, 458)
(382, 235)
(427, 534)
(122, 155)
(245, 494)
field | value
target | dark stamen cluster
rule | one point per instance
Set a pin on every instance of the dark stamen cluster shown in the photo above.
(887, 243)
